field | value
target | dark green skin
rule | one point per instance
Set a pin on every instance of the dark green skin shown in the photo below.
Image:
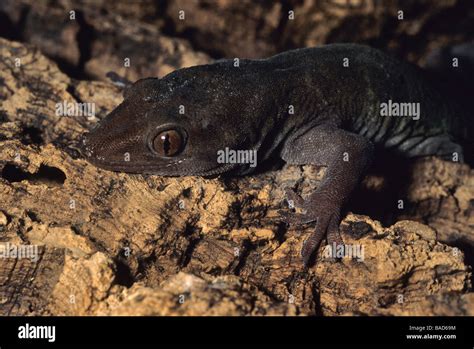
(336, 118)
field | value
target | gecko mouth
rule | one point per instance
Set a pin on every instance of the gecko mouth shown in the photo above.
(172, 168)
(167, 170)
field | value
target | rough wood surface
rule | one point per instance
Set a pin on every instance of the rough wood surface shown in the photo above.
(119, 244)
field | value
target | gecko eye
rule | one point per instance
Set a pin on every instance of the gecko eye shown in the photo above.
(168, 143)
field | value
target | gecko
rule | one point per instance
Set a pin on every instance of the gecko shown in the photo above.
(329, 106)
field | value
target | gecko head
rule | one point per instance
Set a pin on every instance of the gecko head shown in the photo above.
(172, 127)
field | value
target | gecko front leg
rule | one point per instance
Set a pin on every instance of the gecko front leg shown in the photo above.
(346, 156)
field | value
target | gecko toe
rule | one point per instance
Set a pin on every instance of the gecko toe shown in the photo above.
(296, 219)
(297, 200)
(310, 246)
(327, 226)
(334, 238)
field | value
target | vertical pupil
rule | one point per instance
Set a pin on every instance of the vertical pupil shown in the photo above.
(166, 143)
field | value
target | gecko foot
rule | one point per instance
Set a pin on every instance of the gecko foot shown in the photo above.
(316, 209)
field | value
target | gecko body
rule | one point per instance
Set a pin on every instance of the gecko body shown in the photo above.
(327, 106)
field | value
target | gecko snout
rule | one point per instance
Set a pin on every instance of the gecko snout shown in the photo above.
(91, 146)
(92, 150)
(84, 146)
